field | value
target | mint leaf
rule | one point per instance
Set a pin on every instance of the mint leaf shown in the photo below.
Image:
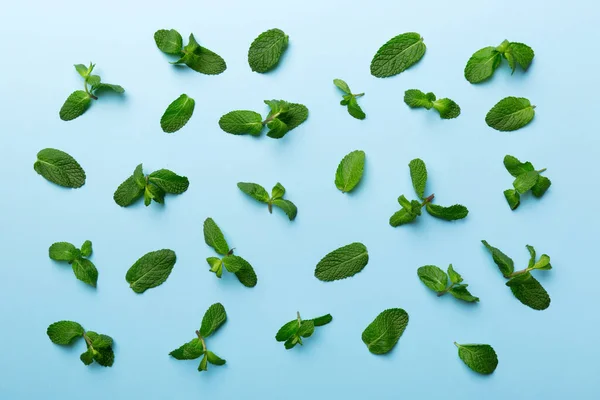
(516, 167)
(151, 270)
(481, 358)
(168, 41)
(383, 333)
(201, 59)
(85, 271)
(521, 53)
(350, 171)
(505, 263)
(403, 217)
(76, 104)
(512, 198)
(415, 98)
(398, 54)
(105, 357)
(526, 181)
(214, 359)
(453, 275)
(529, 291)
(107, 86)
(541, 186)
(60, 168)
(213, 236)
(216, 265)
(86, 248)
(355, 110)
(64, 332)
(189, 351)
(460, 292)
(295, 115)
(63, 251)
(254, 190)
(278, 191)
(510, 114)
(482, 64)
(131, 189)
(292, 332)
(287, 331)
(99, 341)
(343, 86)
(418, 176)
(213, 318)
(155, 193)
(87, 357)
(259, 193)
(447, 108)
(247, 276)
(82, 70)
(242, 122)
(342, 263)
(177, 114)
(287, 206)
(283, 117)
(277, 129)
(307, 328)
(433, 277)
(451, 213)
(169, 181)
(350, 99)
(234, 263)
(543, 263)
(266, 50)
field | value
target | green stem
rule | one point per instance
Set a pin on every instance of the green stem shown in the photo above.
(85, 86)
(539, 171)
(270, 206)
(517, 273)
(457, 345)
(87, 340)
(201, 340)
(443, 292)
(299, 319)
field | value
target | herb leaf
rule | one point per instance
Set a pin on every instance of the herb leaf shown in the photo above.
(214, 317)
(510, 114)
(287, 206)
(169, 181)
(266, 50)
(151, 270)
(452, 213)
(342, 263)
(529, 291)
(168, 41)
(383, 333)
(76, 104)
(482, 64)
(254, 190)
(85, 271)
(242, 122)
(418, 176)
(398, 54)
(189, 351)
(64, 332)
(63, 251)
(177, 114)
(201, 59)
(213, 236)
(504, 262)
(350, 171)
(526, 181)
(433, 277)
(60, 168)
(481, 358)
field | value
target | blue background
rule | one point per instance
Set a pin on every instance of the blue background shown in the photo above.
(551, 354)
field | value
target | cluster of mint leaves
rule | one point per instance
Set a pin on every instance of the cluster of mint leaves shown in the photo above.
(213, 236)
(292, 332)
(99, 347)
(282, 118)
(349, 99)
(524, 286)
(484, 62)
(84, 269)
(196, 57)
(214, 317)
(79, 101)
(526, 178)
(448, 109)
(276, 199)
(412, 209)
(152, 187)
(437, 280)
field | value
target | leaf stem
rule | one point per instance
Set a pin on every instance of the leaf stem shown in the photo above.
(539, 171)
(271, 118)
(521, 272)
(85, 86)
(427, 200)
(443, 292)
(299, 319)
(87, 340)
(201, 340)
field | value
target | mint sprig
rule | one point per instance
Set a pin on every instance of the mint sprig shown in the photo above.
(196, 57)
(441, 283)
(99, 347)
(257, 192)
(282, 118)
(412, 209)
(484, 62)
(294, 331)
(447, 108)
(79, 101)
(526, 178)
(83, 268)
(349, 99)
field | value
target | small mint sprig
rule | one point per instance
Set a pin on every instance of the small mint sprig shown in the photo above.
(437, 280)
(526, 178)
(447, 108)
(196, 57)
(276, 199)
(83, 268)
(484, 62)
(79, 101)
(99, 347)
(349, 99)
(292, 332)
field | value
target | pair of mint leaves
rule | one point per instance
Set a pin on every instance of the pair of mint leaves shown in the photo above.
(196, 57)
(79, 101)
(60, 168)
(213, 318)
(257, 192)
(447, 108)
(349, 99)
(524, 286)
(412, 209)
(152, 187)
(294, 331)
(84, 269)
(213, 236)
(282, 118)
(437, 280)
(526, 178)
(484, 62)
(99, 347)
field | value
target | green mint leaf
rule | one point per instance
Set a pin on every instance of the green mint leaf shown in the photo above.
(177, 114)
(433, 277)
(147, 198)
(189, 351)
(482, 64)
(86, 248)
(291, 342)
(214, 359)
(203, 364)
(201, 59)
(481, 358)
(287, 331)
(254, 190)
(342, 263)
(512, 198)
(510, 114)
(526, 181)
(247, 276)
(99, 341)
(398, 54)
(447, 108)
(105, 357)
(60, 168)
(405, 203)
(505, 263)
(532, 256)
(295, 115)
(543, 263)
(63, 251)
(82, 70)
(87, 357)
(169, 181)
(266, 50)
(216, 265)
(460, 292)
(277, 129)
(383, 333)
(350, 171)
(529, 291)
(93, 80)
(168, 41)
(213, 318)
(354, 109)
(278, 191)
(214, 237)
(235, 263)
(277, 107)
(521, 53)
(85, 271)
(343, 86)
(418, 176)
(287, 206)
(107, 86)
(402, 217)
(451, 213)
(75, 105)
(131, 189)
(453, 275)
(541, 186)
(414, 98)
(151, 270)
(322, 320)
(307, 328)
(138, 176)
(242, 122)
(64, 332)
(516, 167)
(155, 193)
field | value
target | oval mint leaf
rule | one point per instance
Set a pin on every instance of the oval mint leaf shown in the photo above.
(350, 171)
(266, 50)
(151, 270)
(75, 105)
(60, 168)
(510, 114)
(398, 54)
(481, 358)
(169, 181)
(433, 277)
(213, 318)
(242, 122)
(168, 41)
(342, 263)
(64, 332)
(529, 291)
(482, 64)
(177, 114)
(383, 333)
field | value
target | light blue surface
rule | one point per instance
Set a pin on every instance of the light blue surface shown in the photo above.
(552, 354)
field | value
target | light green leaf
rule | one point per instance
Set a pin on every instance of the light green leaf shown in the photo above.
(462, 293)
(216, 265)
(383, 333)
(447, 108)
(516, 167)
(510, 114)
(521, 53)
(63, 251)
(151, 270)
(532, 256)
(287, 206)
(213, 236)
(541, 186)
(398, 54)
(402, 217)
(277, 129)
(168, 41)
(543, 263)
(214, 359)
(60, 168)
(82, 70)
(189, 351)
(453, 275)
(287, 331)
(169, 181)
(107, 86)
(242, 122)
(433, 277)
(203, 364)
(482, 64)
(177, 114)
(451, 213)
(201, 59)
(307, 328)
(342, 263)
(254, 190)
(418, 175)
(343, 86)
(266, 50)
(87, 357)
(350, 171)
(513, 198)
(85, 271)
(481, 358)
(213, 318)
(525, 181)
(235, 263)
(505, 263)
(415, 98)
(278, 191)
(86, 248)
(75, 105)
(354, 109)
(64, 332)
